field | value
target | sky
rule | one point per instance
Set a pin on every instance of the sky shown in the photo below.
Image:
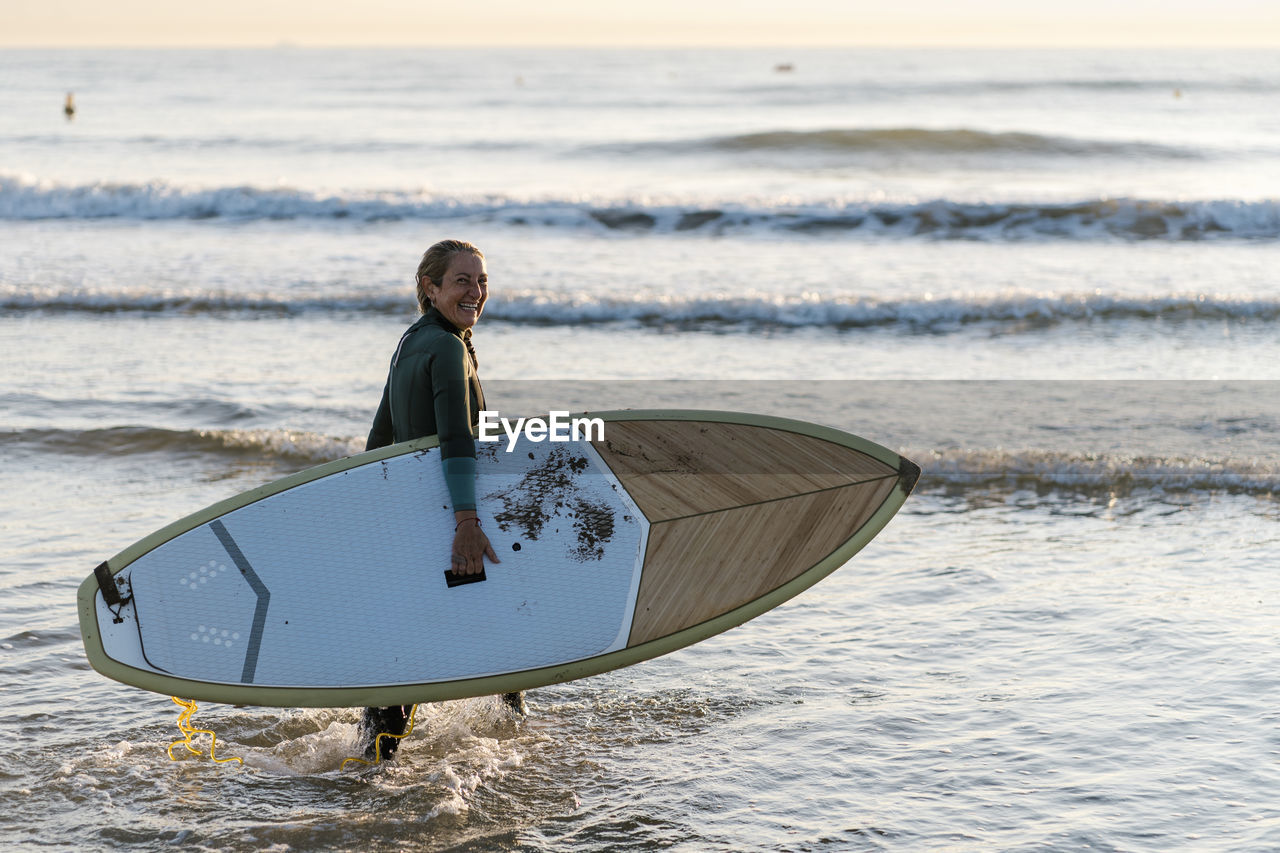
(604, 23)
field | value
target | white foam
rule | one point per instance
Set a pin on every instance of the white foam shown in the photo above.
(1091, 473)
(816, 310)
(285, 443)
(810, 310)
(23, 197)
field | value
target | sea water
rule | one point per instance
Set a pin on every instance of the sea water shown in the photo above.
(1048, 278)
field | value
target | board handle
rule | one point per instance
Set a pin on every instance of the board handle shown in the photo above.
(460, 580)
(111, 593)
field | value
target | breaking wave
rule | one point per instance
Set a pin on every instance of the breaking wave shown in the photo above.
(1098, 219)
(923, 314)
(914, 140)
(259, 445)
(931, 314)
(1094, 473)
(15, 300)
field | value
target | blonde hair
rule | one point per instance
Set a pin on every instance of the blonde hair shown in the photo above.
(435, 263)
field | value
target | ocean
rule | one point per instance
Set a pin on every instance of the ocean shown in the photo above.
(1049, 278)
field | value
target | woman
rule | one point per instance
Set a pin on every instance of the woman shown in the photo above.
(432, 389)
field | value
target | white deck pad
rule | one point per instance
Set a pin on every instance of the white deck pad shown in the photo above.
(339, 582)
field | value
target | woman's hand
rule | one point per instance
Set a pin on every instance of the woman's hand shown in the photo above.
(470, 545)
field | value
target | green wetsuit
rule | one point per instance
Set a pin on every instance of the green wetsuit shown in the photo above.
(432, 389)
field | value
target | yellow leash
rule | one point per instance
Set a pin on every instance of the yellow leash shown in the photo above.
(377, 743)
(189, 731)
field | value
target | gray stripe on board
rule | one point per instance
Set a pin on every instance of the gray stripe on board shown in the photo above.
(264, 598)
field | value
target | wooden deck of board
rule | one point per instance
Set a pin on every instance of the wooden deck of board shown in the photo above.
(735, 511)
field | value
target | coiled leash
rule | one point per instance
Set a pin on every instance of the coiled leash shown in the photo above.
(189, 731)
(377, 743)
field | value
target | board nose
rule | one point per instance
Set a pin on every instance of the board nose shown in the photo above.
(908, 475)
(738, 510)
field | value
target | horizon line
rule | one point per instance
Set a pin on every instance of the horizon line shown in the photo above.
(289, 44)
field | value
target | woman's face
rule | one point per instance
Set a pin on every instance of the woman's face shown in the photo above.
(462, 292)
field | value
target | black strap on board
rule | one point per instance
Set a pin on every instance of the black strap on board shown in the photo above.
(458, 580)
(107, 583)
(111, 592)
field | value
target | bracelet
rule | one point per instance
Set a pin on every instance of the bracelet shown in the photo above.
(474, 518)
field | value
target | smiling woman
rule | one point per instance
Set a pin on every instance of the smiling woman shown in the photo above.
(454, 281)
(433, 388)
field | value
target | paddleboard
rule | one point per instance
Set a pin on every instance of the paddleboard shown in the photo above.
(328, 588)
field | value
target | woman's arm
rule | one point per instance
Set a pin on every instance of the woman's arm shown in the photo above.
(453, 406)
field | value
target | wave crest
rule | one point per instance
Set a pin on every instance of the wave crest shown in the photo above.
(927, 314)
(931, 314)
(259, 445)
(1124, 219)
(915, 140)
(1094, 474)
